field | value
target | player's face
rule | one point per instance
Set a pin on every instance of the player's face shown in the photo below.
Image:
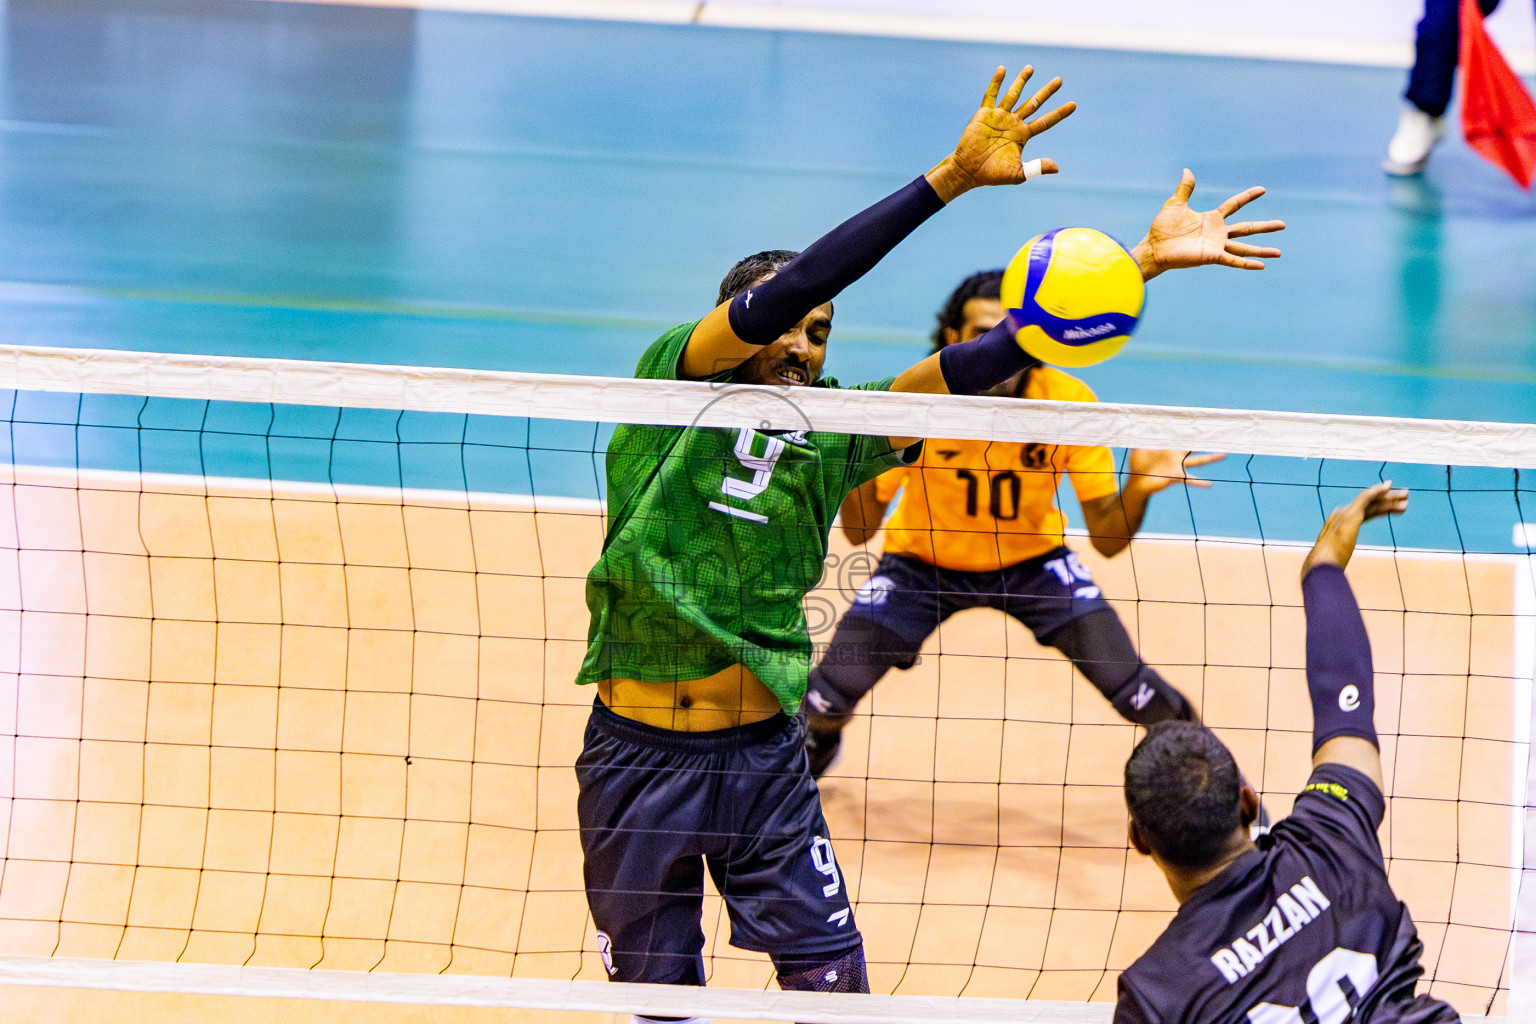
(796, 358)
(978, 316)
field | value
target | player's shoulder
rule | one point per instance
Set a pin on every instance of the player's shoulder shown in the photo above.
(1340, 800)
(660, 359)
(1051, 384)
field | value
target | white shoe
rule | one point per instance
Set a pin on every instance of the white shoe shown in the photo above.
(1410, 147)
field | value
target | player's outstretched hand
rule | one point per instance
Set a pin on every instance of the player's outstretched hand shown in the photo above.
(1182, 237)
(1336, 542)
(990, 149)
(1155, 469)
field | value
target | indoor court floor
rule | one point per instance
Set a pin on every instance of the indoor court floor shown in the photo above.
(278, 726)
(437, 188)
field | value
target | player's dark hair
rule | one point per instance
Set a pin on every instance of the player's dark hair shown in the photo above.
(984, 284)
(752, 269)
(1183, 790)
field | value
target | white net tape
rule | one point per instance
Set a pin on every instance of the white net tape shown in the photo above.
(567, 397)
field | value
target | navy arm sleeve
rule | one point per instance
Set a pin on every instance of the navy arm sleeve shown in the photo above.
(974, 366)
(1340, 678)
(763, 312)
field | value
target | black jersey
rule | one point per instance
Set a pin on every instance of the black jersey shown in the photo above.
(1305, 930)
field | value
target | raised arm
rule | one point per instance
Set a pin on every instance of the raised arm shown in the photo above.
(1340, 677)
(988, 153)
(1113, 520)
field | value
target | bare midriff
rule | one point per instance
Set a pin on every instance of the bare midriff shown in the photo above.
(725, 700)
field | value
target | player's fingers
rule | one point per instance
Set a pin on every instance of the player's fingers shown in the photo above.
(1385, 501)
(1238, 262)
(1186, 187)
(1045, 122)
(1036, 101)
(1384, 508)
(1203, 459)
(1254, 227)
(1194, 481)
(990, 99)
(1035, 168)
(1244, 249)
(1369, 497)
(1016, 89)
(1242, 199)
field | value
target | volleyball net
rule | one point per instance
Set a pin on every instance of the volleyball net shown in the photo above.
(289, 651)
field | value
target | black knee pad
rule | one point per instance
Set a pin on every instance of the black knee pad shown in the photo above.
(1099, 646)
(1147, 698)
(843, 972)
(860, 654)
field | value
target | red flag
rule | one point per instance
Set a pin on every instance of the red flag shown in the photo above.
(1497, 115)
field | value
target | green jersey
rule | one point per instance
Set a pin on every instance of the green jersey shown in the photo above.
(715, 535)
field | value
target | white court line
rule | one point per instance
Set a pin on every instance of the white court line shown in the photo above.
(1190, 38)
(88, 478)
(255, 487)
(538, 994)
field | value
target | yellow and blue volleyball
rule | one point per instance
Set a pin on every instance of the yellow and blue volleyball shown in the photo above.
(1073, 296)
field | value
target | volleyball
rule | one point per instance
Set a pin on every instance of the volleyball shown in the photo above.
(1073, 296)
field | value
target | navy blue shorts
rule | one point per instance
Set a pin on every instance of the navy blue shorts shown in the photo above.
(911, 598)
(657, 807)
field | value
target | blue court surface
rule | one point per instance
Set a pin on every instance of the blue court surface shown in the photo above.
(398, 186)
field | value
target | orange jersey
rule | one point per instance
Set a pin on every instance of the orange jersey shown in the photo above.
(979, 506)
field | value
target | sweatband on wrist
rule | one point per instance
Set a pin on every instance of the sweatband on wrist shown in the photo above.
(972, 367)
(1340, 677)
(765, 311)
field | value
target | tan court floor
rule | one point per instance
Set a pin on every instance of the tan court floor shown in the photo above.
(294, 729)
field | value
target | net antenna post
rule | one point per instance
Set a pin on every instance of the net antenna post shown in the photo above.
(1522, 985)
